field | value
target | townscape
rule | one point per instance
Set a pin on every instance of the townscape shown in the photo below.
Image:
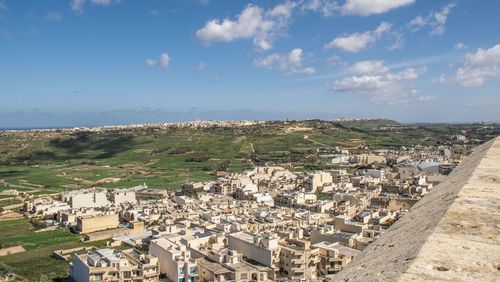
(244, 141)
(266, 223)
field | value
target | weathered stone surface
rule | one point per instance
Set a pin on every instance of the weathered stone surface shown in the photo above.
(453, 233)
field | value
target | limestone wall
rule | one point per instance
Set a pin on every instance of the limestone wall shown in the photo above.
(453, 233)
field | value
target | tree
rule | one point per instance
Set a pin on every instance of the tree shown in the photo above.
(224, 165)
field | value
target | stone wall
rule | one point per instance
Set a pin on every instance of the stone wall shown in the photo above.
(453, 233)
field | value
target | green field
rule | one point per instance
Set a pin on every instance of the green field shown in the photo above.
(36, 264)
(20, 232)
(9, 201)
(167, 158)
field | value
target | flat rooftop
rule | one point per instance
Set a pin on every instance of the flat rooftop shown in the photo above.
(214, 267)
(337, 247)
(243, 236)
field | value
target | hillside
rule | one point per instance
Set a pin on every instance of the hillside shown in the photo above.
(169, 156)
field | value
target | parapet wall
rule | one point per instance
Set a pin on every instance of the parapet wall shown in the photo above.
(453, 233)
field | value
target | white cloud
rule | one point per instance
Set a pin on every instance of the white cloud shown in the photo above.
(254, 23)
(163, 62)
(264, 26)
(101, 2)
(54, 16)
(440, 19)
(3, 7)
(202, 66)
(435, 20)
(460, 46)
(325, 7)
(372, 79)
(308, 70)
(479, 66)
(369, 7)
(290, 63)
(358, 41)
(363, 83)
(398, 41)
(368, 67)
(335, 61)
(423, 61)
(417, 22)
(443, 78)
(77, 5)
(418, 97)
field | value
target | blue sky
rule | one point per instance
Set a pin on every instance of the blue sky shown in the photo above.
(94, 62)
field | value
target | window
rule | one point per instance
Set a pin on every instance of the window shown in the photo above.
(244, 276)
(98, 276)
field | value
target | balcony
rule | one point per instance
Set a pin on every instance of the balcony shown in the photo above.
(151, 274)
(331, 259)
(297, 268)
(334, 268)
(297, 276)
(297, 261)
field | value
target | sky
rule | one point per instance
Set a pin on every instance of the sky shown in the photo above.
(100, 62)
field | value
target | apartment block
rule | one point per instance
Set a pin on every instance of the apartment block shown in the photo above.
(93, 223)
(298, 260)
(121, 196)
(333, 257)
(262, 248)
(228, 265)
(175, 260)
(111, 265)
(318, 180)
(91, 198)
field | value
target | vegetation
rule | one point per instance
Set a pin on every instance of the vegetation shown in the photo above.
(168, 157)
(324, 196)
(36, 264)
(20, 232)
(9, 201)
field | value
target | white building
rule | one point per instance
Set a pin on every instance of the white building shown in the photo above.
(175, 260)
(91, 198)
(260, 248)
(340, 159)
(122, 196)
(47, 207)
(318, 180)
(111, 265)
(265, 198)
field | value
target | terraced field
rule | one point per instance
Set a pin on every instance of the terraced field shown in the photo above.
(36, 263)
(167, 158)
